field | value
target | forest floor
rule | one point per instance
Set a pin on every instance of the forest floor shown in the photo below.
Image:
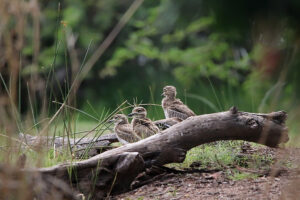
(281, 180)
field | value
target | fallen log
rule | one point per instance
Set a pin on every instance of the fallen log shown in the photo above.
(60, 142)
(81, 143)
(89, 146)
(84, 147)
(113, 171)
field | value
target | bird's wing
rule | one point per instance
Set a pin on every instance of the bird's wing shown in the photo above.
(126, 133)
(150, 131)
(151, 126)
(139, 129)
(178, 109)
(145, 128)
(154, 128)
(145, 122)
(175, 113)
(167, 123)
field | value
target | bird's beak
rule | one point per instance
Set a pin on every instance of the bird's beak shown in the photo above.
(163, 94)
(110, 121)
(131, 114)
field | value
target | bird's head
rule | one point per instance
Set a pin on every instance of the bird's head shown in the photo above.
(138, 112)
(169, 91)
(119, 119)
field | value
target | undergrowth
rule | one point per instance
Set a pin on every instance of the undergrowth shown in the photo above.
(226, 155)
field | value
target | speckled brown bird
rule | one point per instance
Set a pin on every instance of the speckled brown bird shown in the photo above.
(163, 124)
(142, 126)
(174, 107)
(123, 129)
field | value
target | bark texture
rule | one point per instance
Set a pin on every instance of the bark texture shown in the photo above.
(113, 171)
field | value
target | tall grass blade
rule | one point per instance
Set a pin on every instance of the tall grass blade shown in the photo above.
(268, 95)
(204, 100)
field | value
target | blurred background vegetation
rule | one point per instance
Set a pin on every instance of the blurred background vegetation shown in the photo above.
(217, 53)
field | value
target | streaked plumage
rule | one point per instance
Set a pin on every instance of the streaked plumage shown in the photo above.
(142, 126)
(174, 107)
(124, 130)
(167, 123)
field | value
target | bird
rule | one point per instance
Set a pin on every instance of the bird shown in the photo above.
(142, 126)
(164, 124)
(123, 129)
(174, 107)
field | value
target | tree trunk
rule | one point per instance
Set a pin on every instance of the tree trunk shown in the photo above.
(113, 171)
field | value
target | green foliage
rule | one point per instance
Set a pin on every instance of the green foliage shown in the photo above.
(87, 19)
(184, 50)
(184, 43)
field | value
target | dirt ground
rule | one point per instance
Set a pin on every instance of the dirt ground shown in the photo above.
(279, 183)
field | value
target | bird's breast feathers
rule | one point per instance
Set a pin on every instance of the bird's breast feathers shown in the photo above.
(126, 128)
(166, 113)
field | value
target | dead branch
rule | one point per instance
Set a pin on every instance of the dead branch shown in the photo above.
(89, 146)
(113, 171)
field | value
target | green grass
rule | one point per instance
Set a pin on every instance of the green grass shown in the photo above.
(210, 155)
(242, 175)
(225, 155)
(81, 128)
(48, 158)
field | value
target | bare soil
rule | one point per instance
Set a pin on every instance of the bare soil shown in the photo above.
(279, 182)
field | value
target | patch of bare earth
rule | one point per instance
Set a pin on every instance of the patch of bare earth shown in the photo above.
(280, 182)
